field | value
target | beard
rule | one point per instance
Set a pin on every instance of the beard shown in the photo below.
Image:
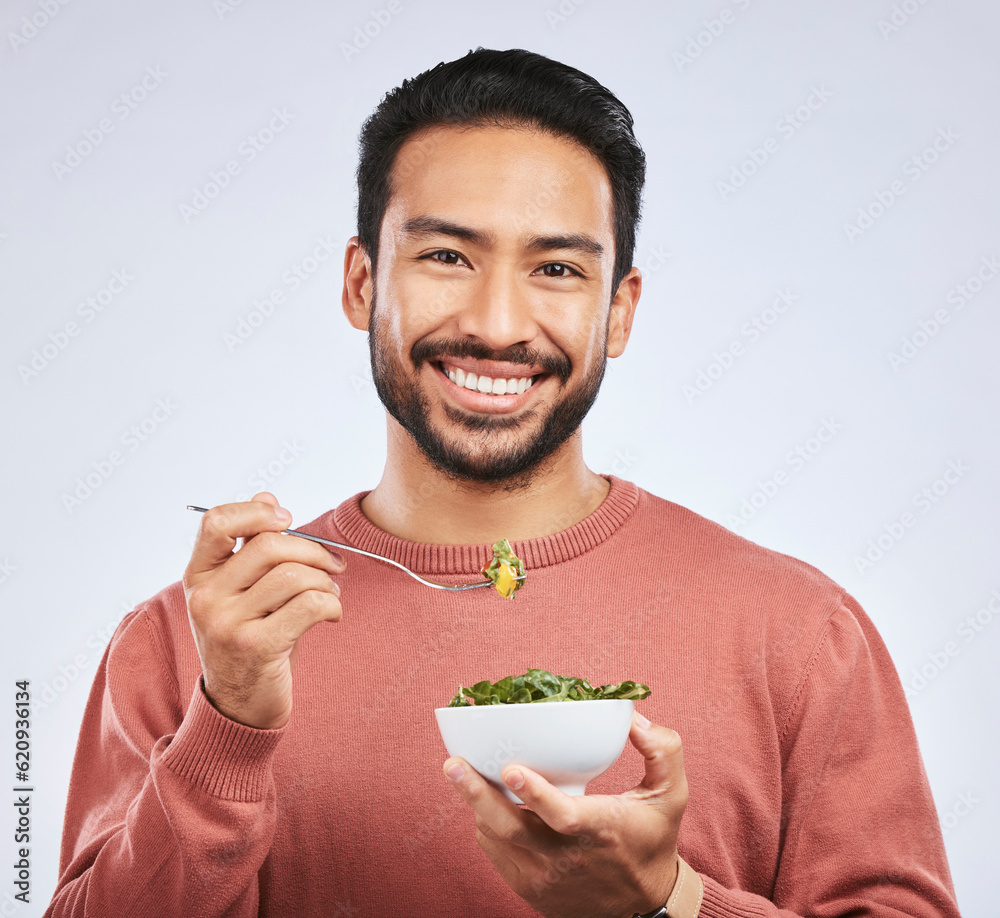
(483, 448)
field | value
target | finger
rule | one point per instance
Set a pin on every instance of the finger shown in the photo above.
(221, 526)
(564, 815)
(533, 877)
(267, 551)
(511, 861)
(498, 818)
(282, 628)
(661, 748)
(280, 585)
(265, 497)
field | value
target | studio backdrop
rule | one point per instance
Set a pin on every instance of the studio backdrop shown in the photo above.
(813, 362)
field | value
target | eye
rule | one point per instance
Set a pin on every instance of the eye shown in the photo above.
(558, 269)
(444, 257)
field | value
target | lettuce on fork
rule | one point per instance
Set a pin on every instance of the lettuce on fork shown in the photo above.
(539, 685)
(504, 569)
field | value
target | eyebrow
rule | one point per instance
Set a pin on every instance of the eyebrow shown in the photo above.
(435, 226)
(574, 242)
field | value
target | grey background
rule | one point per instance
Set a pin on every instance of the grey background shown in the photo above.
(712, 262)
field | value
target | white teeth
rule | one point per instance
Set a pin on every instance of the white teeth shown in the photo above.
(487, 384)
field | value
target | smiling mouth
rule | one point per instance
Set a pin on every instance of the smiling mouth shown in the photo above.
(487, 385)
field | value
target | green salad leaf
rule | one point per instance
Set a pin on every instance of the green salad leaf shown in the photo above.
(539, 685)
(504, 569)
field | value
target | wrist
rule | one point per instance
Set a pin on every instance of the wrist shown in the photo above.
(684, 899)
(259, 718)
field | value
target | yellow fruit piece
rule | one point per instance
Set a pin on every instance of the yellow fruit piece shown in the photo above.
(506, 582)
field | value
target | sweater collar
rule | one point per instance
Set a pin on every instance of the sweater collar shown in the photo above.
(354, 528)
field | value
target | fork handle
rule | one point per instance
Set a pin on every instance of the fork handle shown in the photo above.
(312, 538)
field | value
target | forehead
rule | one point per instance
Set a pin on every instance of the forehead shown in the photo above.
(509, 180)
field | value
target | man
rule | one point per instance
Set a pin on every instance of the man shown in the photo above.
(260, 738)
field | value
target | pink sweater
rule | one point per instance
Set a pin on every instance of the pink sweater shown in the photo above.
(807, 792)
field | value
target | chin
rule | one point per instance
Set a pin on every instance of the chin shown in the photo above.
(507, 457)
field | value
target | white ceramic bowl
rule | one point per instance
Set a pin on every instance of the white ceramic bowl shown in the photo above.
(569, 743)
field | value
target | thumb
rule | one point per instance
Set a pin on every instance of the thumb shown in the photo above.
(266, 497)
(661, 748)
(222, 527)
(263, 497)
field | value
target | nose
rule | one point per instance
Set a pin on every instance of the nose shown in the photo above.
(499, 311)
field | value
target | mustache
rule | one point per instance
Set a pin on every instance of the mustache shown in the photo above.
(431, 349)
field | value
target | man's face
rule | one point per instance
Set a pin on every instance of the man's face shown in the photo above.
(490, 312)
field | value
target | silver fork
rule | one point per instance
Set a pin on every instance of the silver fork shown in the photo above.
(437, 586)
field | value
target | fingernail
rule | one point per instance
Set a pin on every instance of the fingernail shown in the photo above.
(514, 779)
(339, 559)
(336, 586)
(455, 772)
(641, 721)
(282, 515)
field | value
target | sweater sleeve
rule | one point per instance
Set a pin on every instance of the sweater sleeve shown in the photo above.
(171, 812)
(860, 831)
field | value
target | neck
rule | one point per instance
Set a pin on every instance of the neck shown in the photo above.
(419, 502)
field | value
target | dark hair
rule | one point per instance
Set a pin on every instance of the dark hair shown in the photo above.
(504, 88)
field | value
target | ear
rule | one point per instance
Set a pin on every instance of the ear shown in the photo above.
(622, 312)
(357, 294)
